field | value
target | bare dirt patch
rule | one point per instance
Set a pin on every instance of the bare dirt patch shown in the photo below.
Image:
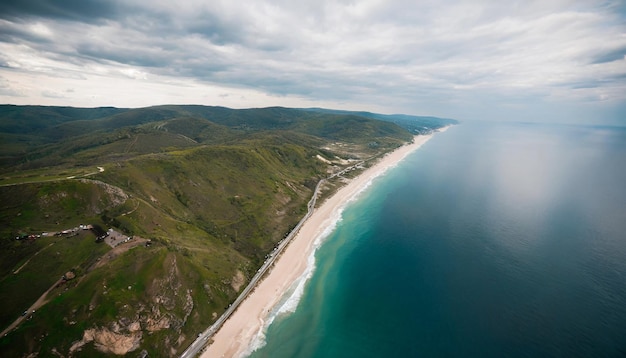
(238, 280)
(108, 341)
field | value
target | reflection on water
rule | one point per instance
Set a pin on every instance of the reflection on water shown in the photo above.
(533, 178)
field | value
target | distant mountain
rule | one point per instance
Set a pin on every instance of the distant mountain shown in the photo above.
(414, 124)
(30, 119)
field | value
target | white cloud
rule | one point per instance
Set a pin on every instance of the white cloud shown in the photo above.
(134, 73)
(432, 57)
(41, 30)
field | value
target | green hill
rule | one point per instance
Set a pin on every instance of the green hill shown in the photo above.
(32, 119)
(213, 189)
(37, 142)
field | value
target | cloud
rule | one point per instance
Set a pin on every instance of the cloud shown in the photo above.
(7, 90)
(434, 56)
(611, 55)
(51, 94)
(79, 10)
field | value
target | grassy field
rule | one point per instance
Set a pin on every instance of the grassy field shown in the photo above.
(54, 256)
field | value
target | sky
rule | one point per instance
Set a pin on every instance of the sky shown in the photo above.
(547, 60)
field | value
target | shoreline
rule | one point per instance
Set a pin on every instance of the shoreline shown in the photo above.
(245, 326)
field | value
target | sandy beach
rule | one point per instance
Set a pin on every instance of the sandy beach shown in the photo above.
(234, 337)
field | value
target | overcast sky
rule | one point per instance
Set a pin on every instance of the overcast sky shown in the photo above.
(552, 60)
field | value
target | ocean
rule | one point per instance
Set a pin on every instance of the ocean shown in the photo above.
(491, 240)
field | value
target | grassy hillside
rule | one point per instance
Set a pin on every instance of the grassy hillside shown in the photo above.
(213, 189)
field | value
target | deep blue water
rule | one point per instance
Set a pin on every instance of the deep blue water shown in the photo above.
(492, 240)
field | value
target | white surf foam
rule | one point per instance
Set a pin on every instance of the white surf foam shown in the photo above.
(291, 298)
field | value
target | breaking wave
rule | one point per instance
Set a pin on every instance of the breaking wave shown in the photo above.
(291, 298)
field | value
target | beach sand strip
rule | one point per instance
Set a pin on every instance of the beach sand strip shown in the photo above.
(235, 336)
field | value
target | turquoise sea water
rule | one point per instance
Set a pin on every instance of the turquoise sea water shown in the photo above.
(492, 240)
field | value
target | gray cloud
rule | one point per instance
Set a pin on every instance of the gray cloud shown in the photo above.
(610, 56)
(400, 55)
(77, 10)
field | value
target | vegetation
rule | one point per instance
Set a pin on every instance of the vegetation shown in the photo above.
(213, 189)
